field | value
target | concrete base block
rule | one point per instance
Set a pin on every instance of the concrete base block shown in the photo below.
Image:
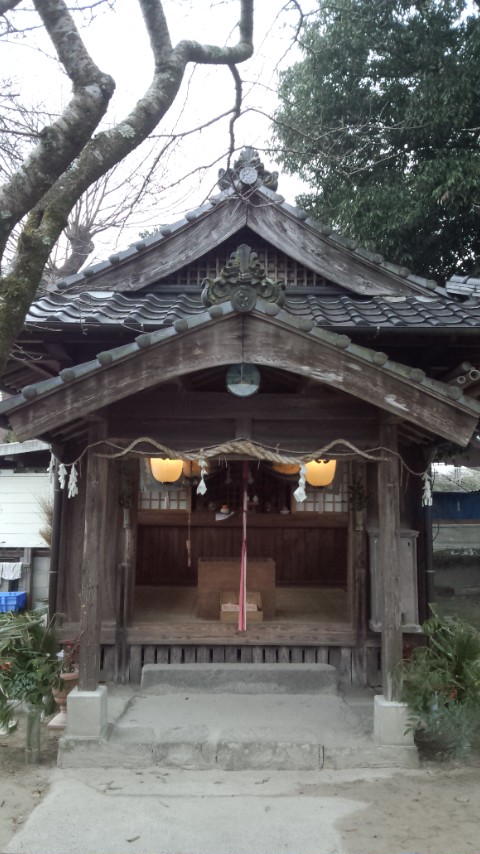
(390, 720)
(87, 713)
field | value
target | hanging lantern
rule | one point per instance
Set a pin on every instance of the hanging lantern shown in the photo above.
(191, 468)
(166, 471)
(320, 472)
(286, 468)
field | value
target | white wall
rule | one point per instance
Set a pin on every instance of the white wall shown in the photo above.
(20, 513)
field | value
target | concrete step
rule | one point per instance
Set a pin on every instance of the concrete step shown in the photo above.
(239, 678)
(201, 732)
(233, 755)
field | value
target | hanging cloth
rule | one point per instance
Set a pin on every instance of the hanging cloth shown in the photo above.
(11, 571)
(242, 598)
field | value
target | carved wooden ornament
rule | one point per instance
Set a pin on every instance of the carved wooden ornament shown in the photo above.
(241, 281)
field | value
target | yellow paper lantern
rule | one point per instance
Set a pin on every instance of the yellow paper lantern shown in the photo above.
(320, 472)
(166, 471)
(286, 468)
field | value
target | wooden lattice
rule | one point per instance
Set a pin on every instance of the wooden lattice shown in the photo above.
(278, 265)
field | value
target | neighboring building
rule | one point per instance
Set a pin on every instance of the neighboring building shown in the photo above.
(456, 510)
(246, 335)
(26, 494)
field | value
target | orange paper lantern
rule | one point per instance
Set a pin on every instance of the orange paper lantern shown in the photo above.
(286, 468)
(165, 470)
(320, 472)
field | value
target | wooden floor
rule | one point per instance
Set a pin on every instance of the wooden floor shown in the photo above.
(293, 604)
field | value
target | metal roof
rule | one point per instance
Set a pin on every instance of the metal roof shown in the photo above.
(9, 449)
(449, 478)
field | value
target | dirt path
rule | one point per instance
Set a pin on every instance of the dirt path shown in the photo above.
(22, 786)
(435, 810)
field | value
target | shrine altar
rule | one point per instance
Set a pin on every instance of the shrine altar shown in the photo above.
(218, 575)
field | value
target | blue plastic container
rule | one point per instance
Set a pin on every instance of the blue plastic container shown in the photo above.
(14, 601)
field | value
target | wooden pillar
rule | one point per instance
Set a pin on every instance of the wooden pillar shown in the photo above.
(389, 560)
(359, 559)
(129, 471)
(93, 563)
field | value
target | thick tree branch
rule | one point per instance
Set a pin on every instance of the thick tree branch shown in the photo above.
(157, 29)
(109, 147)
(207, 54)
(64, 186)
(67, 41)
(8, 5)
(63, 140)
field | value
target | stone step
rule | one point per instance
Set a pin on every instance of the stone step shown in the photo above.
(239, 678)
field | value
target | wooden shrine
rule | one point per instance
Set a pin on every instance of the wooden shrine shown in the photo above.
(145, 355)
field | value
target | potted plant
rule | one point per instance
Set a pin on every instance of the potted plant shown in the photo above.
(29, 669)
(65, 681)
(441, 684)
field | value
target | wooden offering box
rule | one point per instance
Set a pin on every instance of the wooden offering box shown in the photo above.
(222, 575)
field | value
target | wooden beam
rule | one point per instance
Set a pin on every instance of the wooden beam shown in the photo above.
(268, 633)
(293, 435)
(337, 263)
(389, 561)
(92, 564)
(329, 407)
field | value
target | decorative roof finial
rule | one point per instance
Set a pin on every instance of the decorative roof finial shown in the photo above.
(248, 172)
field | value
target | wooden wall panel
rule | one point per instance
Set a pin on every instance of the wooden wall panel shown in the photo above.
(303, 556)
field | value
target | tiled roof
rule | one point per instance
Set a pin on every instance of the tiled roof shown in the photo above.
(141, 311)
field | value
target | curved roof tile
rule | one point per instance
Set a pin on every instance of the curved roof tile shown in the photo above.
(153, 310)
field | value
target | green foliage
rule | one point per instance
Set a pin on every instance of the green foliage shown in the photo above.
(29, 666)
(381, 117)
(441, 682)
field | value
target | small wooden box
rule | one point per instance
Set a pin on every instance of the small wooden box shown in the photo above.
(229, 607)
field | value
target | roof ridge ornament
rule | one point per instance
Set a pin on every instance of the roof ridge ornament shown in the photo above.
(241, 281)
(248, 172)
